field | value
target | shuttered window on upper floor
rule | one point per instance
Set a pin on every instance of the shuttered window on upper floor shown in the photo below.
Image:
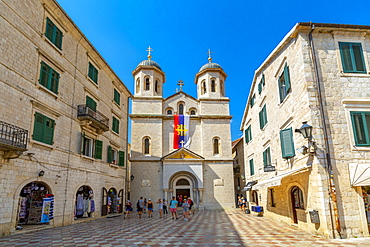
(49, 78)
(93, 73)
(361, 128)
(287, 143)
(53, 33)
(284, 83)
(43, 130)
(352, 57)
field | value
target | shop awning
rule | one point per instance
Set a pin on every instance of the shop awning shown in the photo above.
(276, 181)
(249, 185)
(359, 174)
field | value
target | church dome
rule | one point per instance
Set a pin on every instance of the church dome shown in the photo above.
(210, 66)
(150, 63)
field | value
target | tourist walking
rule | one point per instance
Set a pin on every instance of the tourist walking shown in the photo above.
(173, 207)
(185, 206)
(140, 206)
(165, 206)
(243, 203)
(160, 208)
(150, 208)
(191, 203)
(179, 199)
(128, 208)
(145, 204)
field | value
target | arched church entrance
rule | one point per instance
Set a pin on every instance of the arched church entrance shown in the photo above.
(184, 185)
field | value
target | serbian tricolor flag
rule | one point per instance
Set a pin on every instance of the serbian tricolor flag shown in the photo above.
(181, 131)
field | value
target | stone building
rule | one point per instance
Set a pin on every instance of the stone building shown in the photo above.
(63, 121)
(204, 170)
(239, 176)
(319, 75)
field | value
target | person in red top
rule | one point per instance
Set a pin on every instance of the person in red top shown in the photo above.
(191, 203)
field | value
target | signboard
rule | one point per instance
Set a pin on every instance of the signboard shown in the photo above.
(269, 169)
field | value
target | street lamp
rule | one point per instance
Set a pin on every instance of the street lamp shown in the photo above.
(305, 130)
(132, 177)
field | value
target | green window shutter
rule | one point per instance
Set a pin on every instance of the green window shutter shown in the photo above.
(268, 156)
(248, 134)
(90, 103)
(287, 79)
(358, 57)
(121, 158)
(49, 131)
(264, 158)
(110, 156)
(49, 29)
(263, 117)
(117, 97)
(115, 125)
(281, 88)
(98, 149)
(54, 81)
(252, 101)
(251, 167)
(38, 128)
(44, 74)
(361, 128)
(259, 88)
(58, 38)
(287, 143)
(93, 73)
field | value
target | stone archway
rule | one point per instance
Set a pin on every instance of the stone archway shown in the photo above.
(185, 184)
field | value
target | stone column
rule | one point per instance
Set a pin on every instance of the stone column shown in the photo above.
(165, 194)
(201, 206)
(171, 193)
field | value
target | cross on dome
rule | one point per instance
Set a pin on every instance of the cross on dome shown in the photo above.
(181, 83)
(149, 50)
(209, 56)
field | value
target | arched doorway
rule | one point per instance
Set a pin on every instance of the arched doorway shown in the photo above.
(297, 202)
(84, 202)
(36, 204)
(255, 197)
(112, 202)
(184, 184)
(182, 189)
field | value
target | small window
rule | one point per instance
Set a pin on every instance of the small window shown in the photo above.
(113, 155)
(93, 73)
(261, 85)
(287, 143)
(121, 158)
(182, 182)
(87, 147)
(181, 109)
(146, 145)
(192, 112)
(43, 130)
(297, 197)
(352, 57)
(361, 128)
(248, 134)
(204, 87)
(49, 78)
(147, 84)
(213, 86)
(115, 125)
(156, 86)
(117, 97)
(138, 85)
(252, 100)
(169, 112)
(263, 117)
(251, 167)
(267, 157)
(53, 33)
(284, 84)
(216, 146)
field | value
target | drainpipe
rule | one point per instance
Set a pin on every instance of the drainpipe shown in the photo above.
(333, 208)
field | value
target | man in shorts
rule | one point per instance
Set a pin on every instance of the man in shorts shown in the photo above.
(173, 207)
(140, 206)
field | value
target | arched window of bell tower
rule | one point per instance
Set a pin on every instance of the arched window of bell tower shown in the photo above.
(216, 146)
(181, 109)
(204, 87)
(213, 85)
(147, 84)
(222, 88)
(156, 86)
(137, 85)
(146, 145)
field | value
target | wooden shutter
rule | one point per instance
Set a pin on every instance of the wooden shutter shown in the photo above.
(358, 57)
(54, 81)
(287, 143)
(58, 38)
(261, 119)
(49, 131)
(265, 158)
(104, 210)
(251, 167)
(90, 103)
(98, 149)
(117, 97)
(121, 158)
(287, 79)
(49, 29)
(44, 74)
(115, 126)
(110, 154)
(38, 129)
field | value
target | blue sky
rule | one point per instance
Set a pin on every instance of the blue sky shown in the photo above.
(240, 33)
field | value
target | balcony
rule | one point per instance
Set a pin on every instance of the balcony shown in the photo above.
(92, 118)
(13, 140)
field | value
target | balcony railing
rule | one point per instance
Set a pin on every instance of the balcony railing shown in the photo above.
(12, 137)
(99, 121)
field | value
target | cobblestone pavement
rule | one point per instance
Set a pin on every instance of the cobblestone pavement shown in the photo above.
(207, 228)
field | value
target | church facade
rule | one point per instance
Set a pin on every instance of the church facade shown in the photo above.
(202, 170)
